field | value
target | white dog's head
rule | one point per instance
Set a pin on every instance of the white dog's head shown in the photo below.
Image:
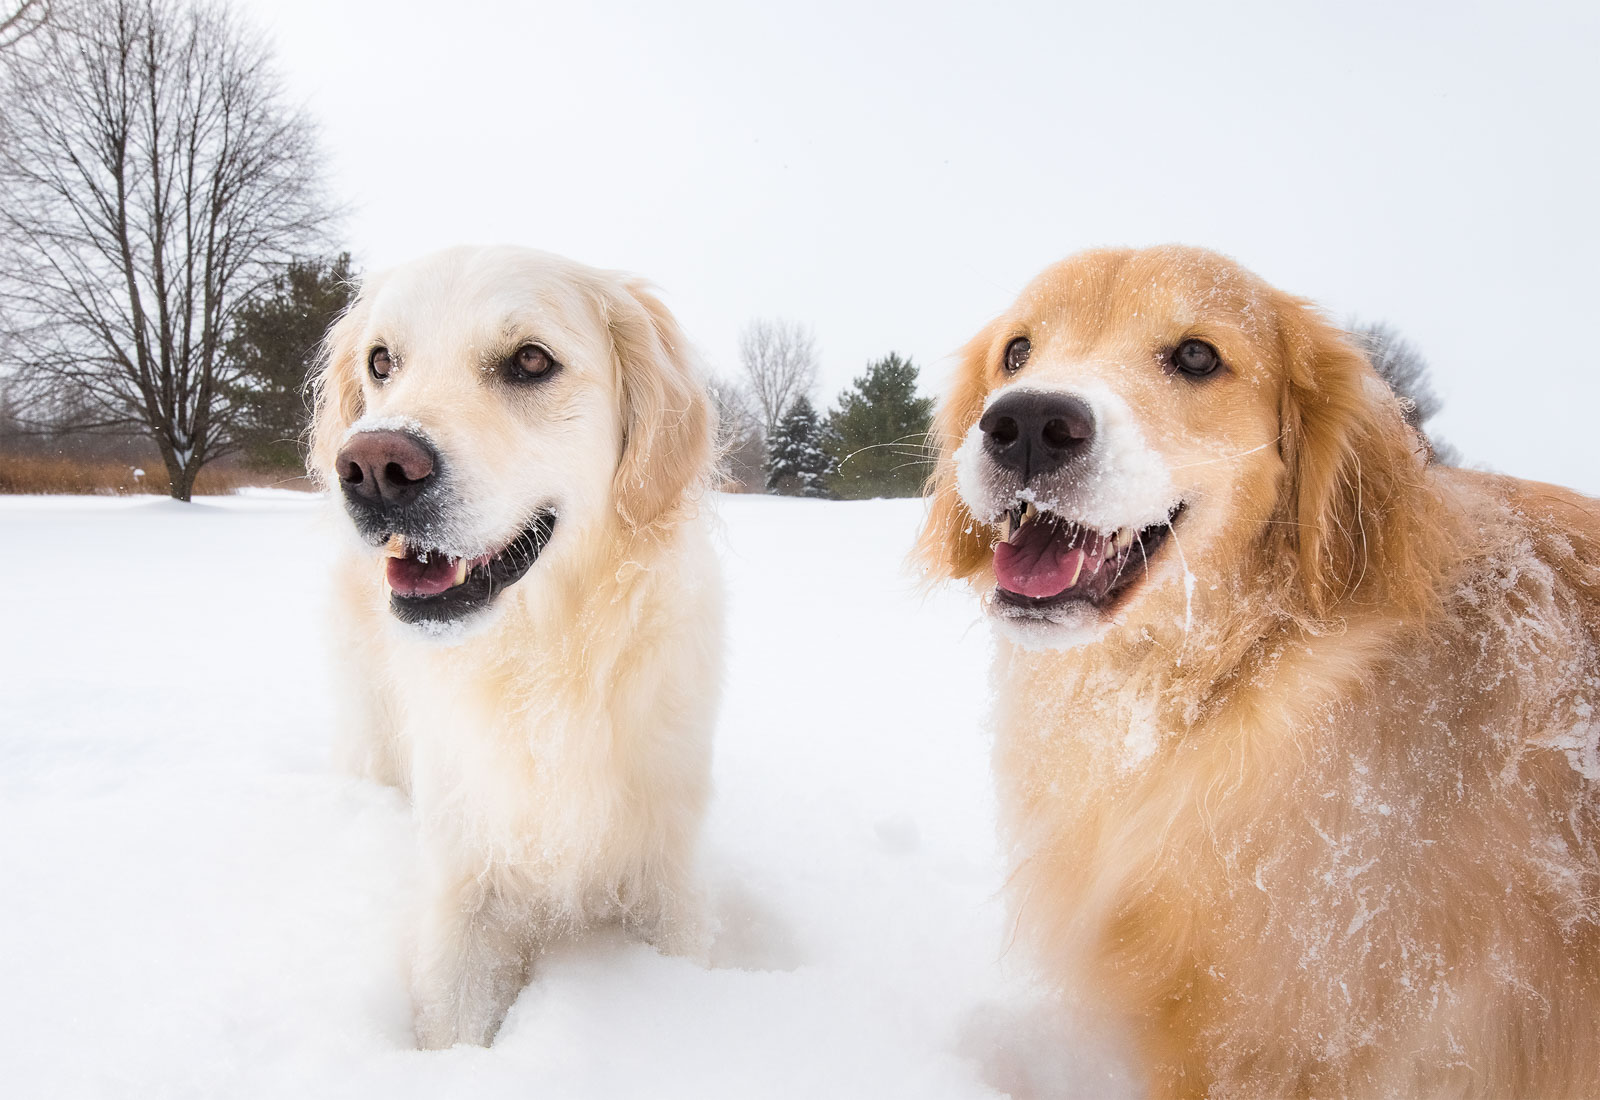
(476, 404)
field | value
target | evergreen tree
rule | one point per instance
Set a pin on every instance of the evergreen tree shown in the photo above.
(877, 437)
(797, 463)
(274, 343)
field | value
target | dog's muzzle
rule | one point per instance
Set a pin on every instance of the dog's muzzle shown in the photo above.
(1033, 434)
(389, 481)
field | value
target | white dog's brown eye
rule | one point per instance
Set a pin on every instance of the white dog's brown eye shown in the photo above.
(379, 364)
(529, 362)
(1017, 354)
(1196, 358)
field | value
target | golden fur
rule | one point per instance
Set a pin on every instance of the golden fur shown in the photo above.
(556, 748)
(1323, 820)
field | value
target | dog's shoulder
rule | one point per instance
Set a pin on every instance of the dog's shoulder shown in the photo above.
(1530, 533)
(1544, 511)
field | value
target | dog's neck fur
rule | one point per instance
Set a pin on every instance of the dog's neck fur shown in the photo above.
(1235, 679)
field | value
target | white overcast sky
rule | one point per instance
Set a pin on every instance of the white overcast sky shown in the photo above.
(892, 174)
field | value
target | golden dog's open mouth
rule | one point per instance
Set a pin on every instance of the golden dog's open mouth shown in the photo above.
(1044, 560)
(427, 585)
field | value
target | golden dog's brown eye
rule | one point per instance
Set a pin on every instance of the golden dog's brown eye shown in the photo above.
(1196, 358)
(379, 364)
(1017, 354)
(530, 362)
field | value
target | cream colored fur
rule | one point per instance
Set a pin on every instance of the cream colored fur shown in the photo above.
(557, 752)
(1325, 820)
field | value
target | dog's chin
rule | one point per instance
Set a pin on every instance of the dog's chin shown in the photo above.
(445, 595)
(1073, 626)
(1064, 585)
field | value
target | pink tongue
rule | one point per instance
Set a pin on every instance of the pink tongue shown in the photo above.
(411, 577)
(1040, 561)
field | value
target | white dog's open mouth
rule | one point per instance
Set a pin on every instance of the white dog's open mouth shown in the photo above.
(429, 585)
(1045, 561)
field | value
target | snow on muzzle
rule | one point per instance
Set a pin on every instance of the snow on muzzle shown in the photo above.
(1045, 559)
(428, 585)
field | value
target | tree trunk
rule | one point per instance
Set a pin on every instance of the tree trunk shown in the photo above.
(180, 481)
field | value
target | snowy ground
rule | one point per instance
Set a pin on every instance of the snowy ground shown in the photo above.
(194, 903)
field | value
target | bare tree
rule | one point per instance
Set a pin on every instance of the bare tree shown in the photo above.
(151, 180)
(740, 448)
(19, 20)
(780, 359)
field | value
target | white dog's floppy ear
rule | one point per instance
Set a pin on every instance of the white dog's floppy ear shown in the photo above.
(337, 400)
(668, 422)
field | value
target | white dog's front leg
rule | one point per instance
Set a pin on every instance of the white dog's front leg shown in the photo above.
(369, 744)
(670, 912)
(673, 921)
(473, 958)
(369, 741)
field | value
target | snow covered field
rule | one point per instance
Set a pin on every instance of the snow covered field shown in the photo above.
(194, 902)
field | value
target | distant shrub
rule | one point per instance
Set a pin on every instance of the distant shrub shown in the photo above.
(35, 473)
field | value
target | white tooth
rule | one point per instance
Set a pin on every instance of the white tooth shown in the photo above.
(1077, 570)
(461, 571)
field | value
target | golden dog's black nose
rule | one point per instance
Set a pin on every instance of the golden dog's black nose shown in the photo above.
(386, 467)
(1034, 433)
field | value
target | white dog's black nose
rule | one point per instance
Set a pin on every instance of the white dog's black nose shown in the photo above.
(1035, 433)
(385, 468)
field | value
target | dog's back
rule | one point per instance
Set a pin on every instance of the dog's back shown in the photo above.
(1426, 869)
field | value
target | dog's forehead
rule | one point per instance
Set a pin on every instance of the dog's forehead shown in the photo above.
(459, 300)
(1099, 293)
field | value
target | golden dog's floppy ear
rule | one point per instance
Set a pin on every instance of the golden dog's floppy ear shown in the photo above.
(669, 424)
(335, 387)
(953, 544)
(1354, 514)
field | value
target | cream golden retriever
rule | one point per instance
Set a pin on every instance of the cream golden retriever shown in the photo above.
(529, 609)
(1296, 736)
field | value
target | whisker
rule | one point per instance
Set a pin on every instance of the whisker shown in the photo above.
(1121, 564)
(1229, 458)
(1188, 593)
(902, 441)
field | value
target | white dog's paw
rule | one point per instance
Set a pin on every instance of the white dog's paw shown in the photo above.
(469, 1013)
(677, 923)
(440, 1027)
(471, 966)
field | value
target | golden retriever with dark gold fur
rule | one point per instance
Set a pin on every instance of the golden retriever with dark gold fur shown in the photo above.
(1297, 745)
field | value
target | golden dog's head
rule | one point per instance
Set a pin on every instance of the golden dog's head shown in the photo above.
(477, 405)
(1144, 433)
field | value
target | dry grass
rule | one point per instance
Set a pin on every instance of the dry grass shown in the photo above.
(56, 474)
